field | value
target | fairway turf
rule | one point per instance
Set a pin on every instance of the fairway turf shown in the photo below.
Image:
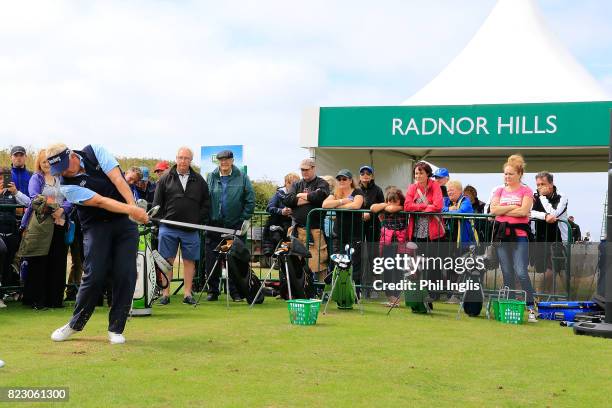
(210, 356)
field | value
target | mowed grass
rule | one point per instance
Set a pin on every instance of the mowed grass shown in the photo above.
(240, 357)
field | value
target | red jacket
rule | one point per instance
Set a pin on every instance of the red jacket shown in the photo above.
(433, 194)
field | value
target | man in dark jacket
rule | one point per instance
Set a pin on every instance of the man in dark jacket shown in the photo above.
(304, 196)
(373, 195)
(232, 201)
(182, 195)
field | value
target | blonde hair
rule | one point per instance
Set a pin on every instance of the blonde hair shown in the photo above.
(517, 162)
(55, 148)
(456, 184)
(291, 178)
(41, 157)
(331, 181)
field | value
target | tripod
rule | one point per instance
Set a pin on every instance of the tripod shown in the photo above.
(222, 251)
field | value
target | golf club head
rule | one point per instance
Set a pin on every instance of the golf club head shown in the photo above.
(153, 211)
(142, 203)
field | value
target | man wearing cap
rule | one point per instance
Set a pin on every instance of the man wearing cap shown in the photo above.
(304, 196)
(160, 168)
(232, 200)
(21, 175)
(441, 176)
(91, 179)
(373, 195)
(145, 188)
(182, 195)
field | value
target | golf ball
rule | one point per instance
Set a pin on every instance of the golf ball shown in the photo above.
(1, 363)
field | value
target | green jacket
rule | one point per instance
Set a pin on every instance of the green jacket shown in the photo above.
(36, 240)
(239, 199)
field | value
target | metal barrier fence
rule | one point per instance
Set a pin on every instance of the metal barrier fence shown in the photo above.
(340, 227)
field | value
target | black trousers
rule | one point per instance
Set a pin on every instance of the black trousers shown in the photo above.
(46, 278)
(11, 244)
(110, 251)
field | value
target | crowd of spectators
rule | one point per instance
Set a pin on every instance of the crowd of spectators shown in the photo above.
(34, 245)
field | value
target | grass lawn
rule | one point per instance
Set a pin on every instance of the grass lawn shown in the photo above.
(210, 356)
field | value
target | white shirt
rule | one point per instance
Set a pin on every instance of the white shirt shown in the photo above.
(183, 178)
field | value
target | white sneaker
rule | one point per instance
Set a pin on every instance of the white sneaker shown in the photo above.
(116, 338)
(2, 304)
(532, 317)
(63, 333)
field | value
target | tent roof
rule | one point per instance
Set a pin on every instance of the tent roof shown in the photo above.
(513, 58)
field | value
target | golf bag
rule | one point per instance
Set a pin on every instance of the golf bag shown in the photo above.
(472, 299)
(292, 259)
(343, 292)
(239, 269)
(416, 299)
(151, 278)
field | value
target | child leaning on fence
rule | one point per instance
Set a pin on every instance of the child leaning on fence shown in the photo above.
(393, 233)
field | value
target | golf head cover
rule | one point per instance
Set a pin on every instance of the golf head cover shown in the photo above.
(161, 262)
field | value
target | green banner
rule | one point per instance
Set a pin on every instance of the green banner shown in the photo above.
(579, 124)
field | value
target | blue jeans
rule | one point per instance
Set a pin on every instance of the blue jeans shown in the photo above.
(514, 259)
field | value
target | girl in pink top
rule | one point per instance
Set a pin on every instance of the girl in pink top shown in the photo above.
(511, 206)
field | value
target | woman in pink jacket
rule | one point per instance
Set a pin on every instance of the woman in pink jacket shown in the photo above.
(424, 195)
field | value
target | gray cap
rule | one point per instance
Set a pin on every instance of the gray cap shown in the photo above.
(18, 149)
(345, 173)
(225, 154)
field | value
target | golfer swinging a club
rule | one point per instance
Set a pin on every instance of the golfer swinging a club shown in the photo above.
(92, 180)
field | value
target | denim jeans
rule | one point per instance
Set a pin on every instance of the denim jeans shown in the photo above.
(514, 259)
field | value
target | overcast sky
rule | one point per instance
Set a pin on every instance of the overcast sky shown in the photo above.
(143, 77)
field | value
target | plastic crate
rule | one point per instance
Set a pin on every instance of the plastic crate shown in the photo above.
(303, 312)
(511, 311)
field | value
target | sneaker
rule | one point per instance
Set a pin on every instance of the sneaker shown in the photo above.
(237, 298)
(532, 317)
(116, 338)
(164, 300)
(453, 300)
(2, 304)
(63, 333)
(212, 297)
(189, 300)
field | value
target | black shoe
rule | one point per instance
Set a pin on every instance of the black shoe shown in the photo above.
(39, 307)
(164, 300)
(212, 297)
(237, 298)
(189, 300)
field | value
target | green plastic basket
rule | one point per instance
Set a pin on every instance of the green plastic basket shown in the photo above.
(495, 305)
(303, 312)
(510, 311)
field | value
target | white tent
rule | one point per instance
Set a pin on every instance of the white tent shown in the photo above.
(513, 59)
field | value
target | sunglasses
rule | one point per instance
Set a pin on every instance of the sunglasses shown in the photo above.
(341, 178)
(363, 173)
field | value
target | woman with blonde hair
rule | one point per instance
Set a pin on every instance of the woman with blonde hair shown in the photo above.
(45, 249)
(348, 225)
(511, 204)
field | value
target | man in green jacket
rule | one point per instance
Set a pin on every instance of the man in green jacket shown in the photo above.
(232, 201)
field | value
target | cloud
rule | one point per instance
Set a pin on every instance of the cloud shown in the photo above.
(143, 77)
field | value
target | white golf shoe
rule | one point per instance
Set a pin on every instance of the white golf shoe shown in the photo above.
(116, 338)
(63, 333)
